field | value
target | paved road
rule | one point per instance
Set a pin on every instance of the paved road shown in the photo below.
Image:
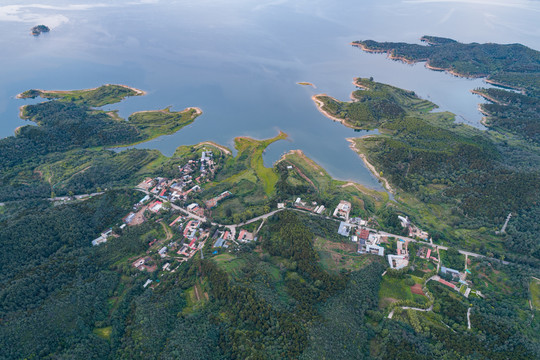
(233, 227)
(441, 247)
(76, 197)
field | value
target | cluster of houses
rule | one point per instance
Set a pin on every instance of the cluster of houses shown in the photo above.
(343, 210)
(102, 237)
(170, 190)
(224, 238)
(456, 280)
(195, 237)
(369, 241)
(194, 208)
(299, 204)
(191, 175)
(413, 231)
(426, 254)
(401, 259)
(145, 263)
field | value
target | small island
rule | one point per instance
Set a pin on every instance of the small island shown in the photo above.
(38, 29)
(305, 83)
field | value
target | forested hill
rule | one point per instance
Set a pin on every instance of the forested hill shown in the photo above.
(510, 65)
(70, 122)
(472, 178)
(475, 60)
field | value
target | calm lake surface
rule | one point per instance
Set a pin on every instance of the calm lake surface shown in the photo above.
(240, 60)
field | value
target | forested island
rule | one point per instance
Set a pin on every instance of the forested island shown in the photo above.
(39, 29)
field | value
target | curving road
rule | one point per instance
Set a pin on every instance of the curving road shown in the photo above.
(233, 227)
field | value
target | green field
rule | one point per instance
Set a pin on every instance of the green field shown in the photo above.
(253, 149)
(230, 263)
(334, 256)
(104, 333)
(535, 293)
(196, 298)
(392, 288)
(155, 123)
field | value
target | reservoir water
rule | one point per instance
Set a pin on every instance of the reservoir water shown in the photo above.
(240, 60)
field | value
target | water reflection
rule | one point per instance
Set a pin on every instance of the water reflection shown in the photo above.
(240, 61)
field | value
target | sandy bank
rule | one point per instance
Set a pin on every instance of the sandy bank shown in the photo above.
(452, 72)
(216, 145)
(487, 97)
(21, 111)
(301, 154)
(18, 129)
(484, 120)
(503, 85)
(388, 52)
(357, 84)
(370, 166)
(319, 103)
(138, 91)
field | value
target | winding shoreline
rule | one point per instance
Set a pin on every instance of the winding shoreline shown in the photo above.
(370, 166)
(319, 104)
(216, 145)
(21, 112)
(427, 65)
(484, 120)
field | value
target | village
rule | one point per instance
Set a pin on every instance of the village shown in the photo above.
(370, 241)
(189, 229)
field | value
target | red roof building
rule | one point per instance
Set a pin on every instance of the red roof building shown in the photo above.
(363, 234)
(450, 285)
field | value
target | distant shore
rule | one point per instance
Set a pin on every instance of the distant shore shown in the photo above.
(487, 97)
(411, 62)
(138, 92)
(484, 120)
(503, 85)
(388, 52)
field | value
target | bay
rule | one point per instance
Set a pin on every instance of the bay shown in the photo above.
(240, 62)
